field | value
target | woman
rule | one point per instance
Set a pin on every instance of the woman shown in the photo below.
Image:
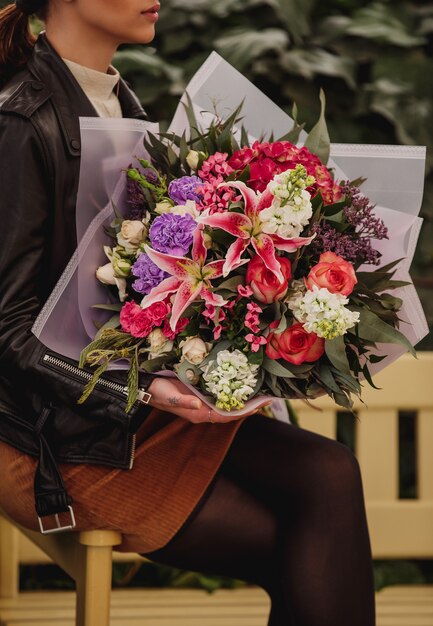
(250, 498)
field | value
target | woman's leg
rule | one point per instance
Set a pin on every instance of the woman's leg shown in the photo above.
(286, 511)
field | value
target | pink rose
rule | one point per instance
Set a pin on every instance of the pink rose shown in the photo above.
(295, 345)
(333, 273)
(265, 285)
(127, 314)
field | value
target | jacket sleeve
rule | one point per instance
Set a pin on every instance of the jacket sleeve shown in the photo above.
(25, 214)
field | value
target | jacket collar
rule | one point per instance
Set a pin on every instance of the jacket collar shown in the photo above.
(69, 100)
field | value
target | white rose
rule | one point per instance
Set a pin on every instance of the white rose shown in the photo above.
(194, 350)
(132, 233)
(158, 343)
(189, 208)
(164, 206)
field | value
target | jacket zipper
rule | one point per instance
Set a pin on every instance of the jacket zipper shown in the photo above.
(109, 384)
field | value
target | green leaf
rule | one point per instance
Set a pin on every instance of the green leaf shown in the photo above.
(132, 382)
(311, 62)
(335, 350)
(241, 46)
(273, 367)
(318, 141)
(92, 382)
(372, 328)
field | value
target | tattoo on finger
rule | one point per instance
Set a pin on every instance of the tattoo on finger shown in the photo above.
(173, 400)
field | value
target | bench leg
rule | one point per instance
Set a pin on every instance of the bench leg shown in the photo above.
(94, 577)
(9, 560)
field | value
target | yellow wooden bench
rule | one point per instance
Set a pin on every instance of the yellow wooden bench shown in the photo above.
(398, 528)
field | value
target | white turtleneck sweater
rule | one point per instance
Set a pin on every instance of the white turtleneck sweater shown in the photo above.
(99, 87)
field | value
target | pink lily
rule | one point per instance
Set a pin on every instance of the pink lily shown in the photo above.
(247, 228)
(189, 280)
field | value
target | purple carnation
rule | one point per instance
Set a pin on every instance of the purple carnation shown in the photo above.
(172, 233)
(148, 274)
(185, 188)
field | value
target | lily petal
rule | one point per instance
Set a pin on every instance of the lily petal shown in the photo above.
(250, 197)
(186, 293)
(175, 265)
(214, 299)
(213, 269)
(160, 292)
(199, 251)
(233, 256)
(291, 245)
(236, 224)
(264, 246)
(265, 201)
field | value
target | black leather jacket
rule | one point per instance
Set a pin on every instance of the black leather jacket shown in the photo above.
(39, 171)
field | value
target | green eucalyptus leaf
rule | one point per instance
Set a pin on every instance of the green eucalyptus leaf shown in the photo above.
(335, 350)
(372, 328)
(273, 367)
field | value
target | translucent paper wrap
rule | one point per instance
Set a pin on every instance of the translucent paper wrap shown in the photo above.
(395, 178)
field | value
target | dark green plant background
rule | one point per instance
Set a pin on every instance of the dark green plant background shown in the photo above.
(375, 62)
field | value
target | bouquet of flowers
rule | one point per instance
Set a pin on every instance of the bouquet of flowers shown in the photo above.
(236, 267)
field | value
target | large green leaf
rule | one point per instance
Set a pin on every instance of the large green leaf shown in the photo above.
(241, 47)
(380, 22)
(315, 61)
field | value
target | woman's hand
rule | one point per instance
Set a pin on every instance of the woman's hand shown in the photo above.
(171, 395)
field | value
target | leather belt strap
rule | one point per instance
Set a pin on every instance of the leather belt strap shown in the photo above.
(51, 496)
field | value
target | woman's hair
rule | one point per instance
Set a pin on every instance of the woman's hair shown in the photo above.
(16, 40)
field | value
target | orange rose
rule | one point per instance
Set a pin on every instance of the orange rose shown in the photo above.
(265, 285)
(333, 273)
(295, 345)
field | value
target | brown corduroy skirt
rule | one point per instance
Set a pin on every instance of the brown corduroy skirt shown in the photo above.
(174, 464)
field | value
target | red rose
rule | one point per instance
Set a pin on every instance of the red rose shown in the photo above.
(127, 314)
(295, 345)
(265, 285)
(141, 324)
(333, 273)
(158, 312)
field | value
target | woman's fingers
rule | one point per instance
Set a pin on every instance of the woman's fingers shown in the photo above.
(170, 394)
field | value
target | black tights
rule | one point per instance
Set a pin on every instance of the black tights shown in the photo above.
(285, 511)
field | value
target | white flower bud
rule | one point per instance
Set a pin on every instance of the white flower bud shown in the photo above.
(105, 274)
(192, 158)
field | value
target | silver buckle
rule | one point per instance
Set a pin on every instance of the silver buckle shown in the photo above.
(59, 527)
(144, 397)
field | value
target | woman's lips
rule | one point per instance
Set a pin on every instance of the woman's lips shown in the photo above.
(152, 14)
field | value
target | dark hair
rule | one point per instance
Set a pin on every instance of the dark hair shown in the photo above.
(16, 40)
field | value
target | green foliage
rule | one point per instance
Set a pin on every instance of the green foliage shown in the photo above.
(374, 60)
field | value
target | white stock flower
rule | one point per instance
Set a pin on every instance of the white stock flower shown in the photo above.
(158, 343)
(323, 312)
(291, 209)
(194, 350)
(231, 379)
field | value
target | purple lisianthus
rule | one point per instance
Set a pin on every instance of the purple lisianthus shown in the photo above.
(172, 234)
(148, 274)
(182, 189)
